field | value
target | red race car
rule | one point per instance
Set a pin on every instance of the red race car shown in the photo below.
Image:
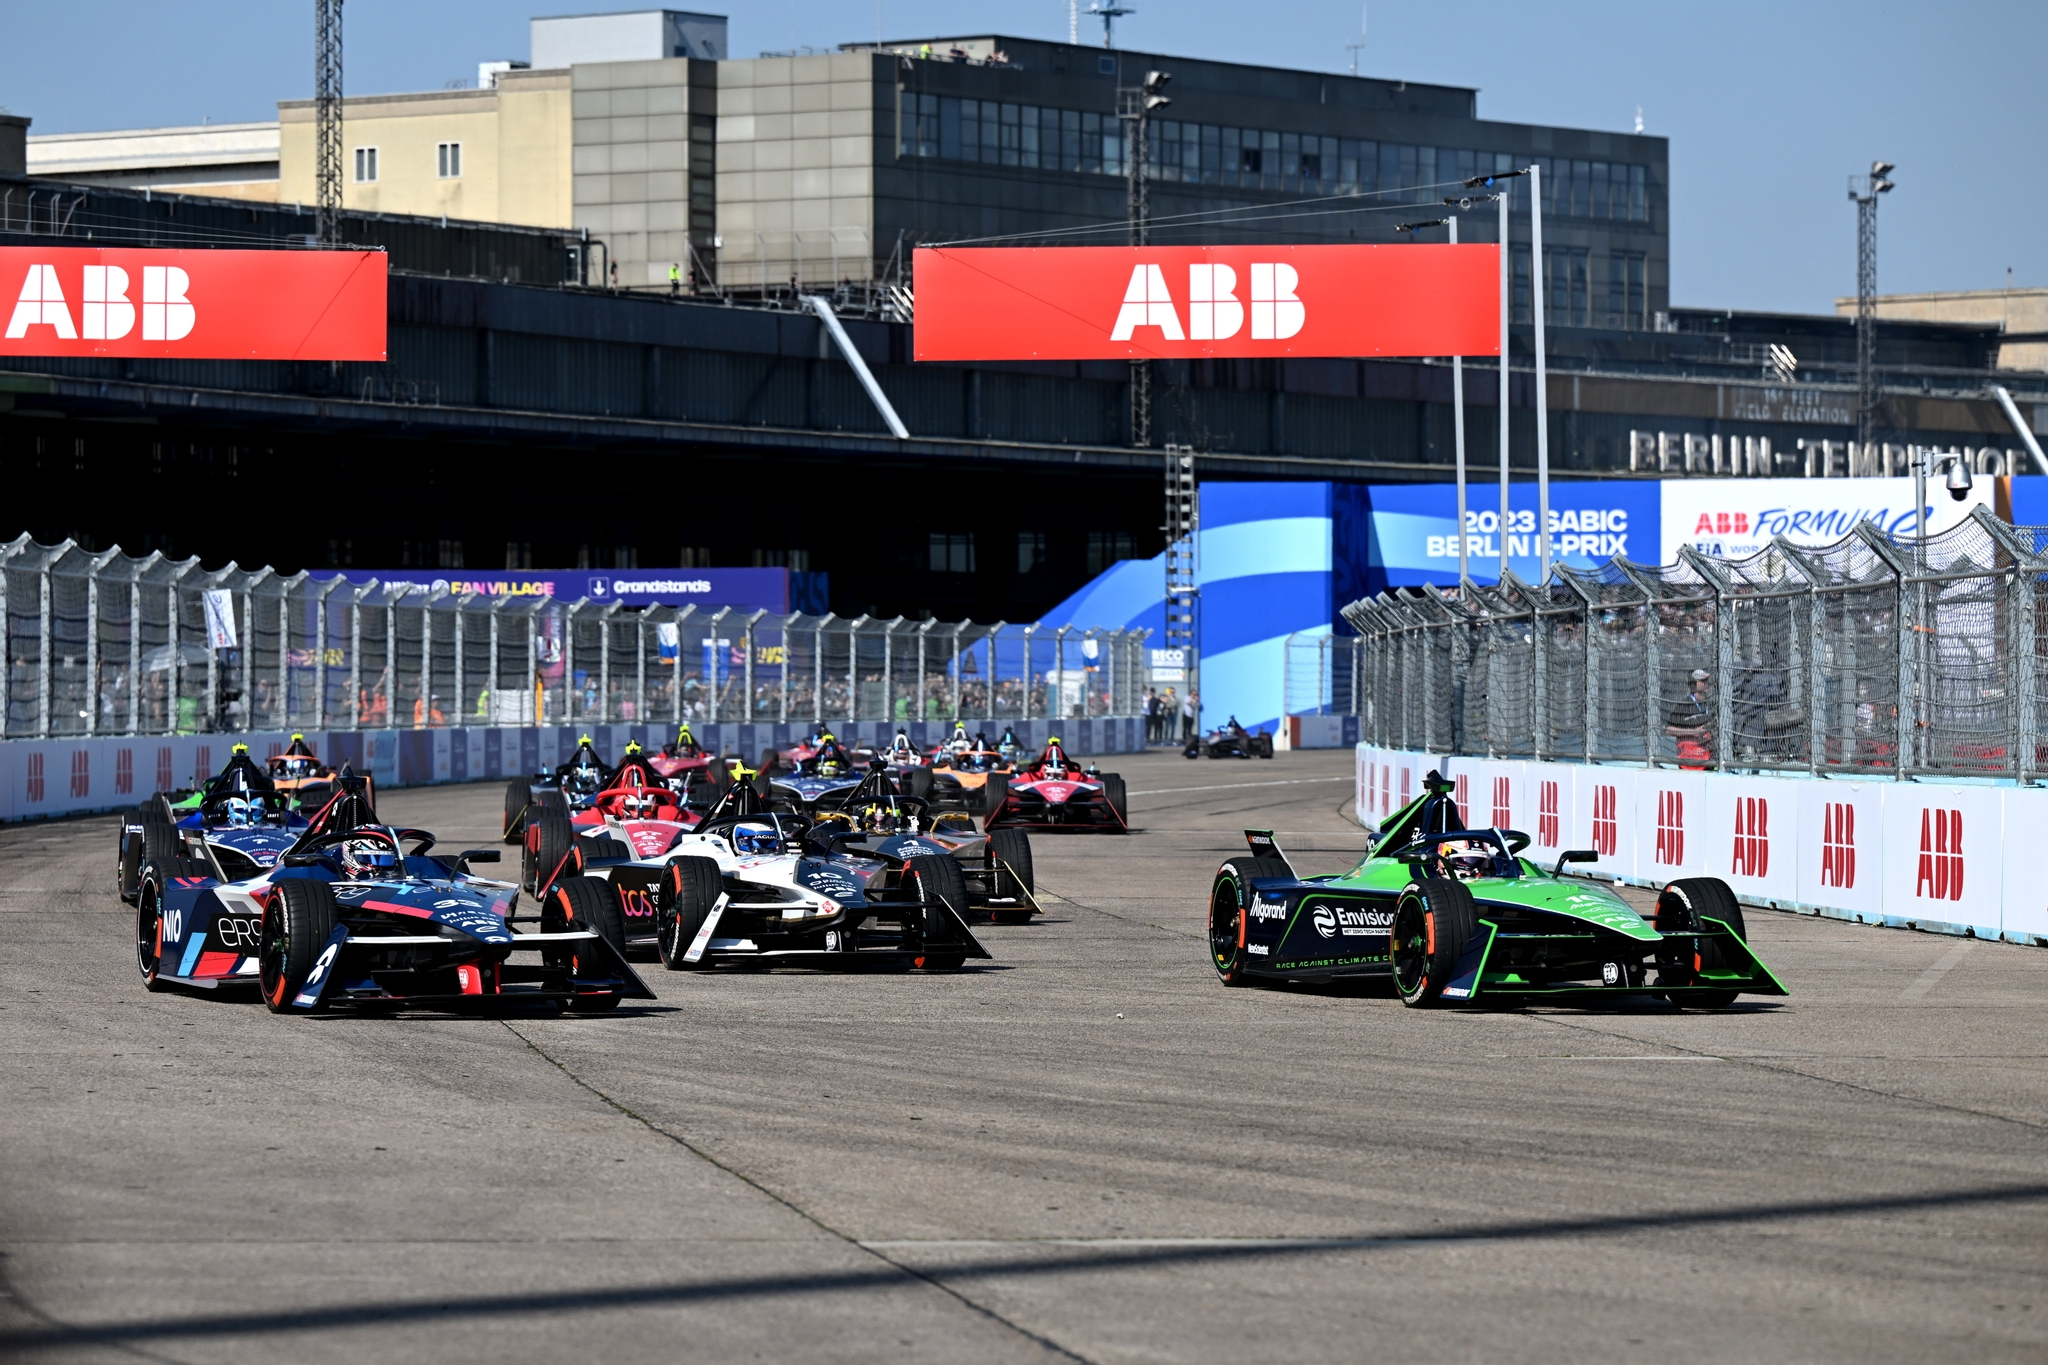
(1054, 792)
(639, 808)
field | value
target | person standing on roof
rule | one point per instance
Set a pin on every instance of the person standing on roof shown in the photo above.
(675, 279)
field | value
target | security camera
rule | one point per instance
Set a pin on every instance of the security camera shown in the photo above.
(1958, 480)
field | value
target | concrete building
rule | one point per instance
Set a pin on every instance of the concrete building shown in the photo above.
(2022, 313)
(226, 160)
(13, 144)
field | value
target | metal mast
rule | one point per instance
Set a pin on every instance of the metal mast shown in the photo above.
(1183, 514)
(1134, 105)
(1874, 184)
(327, 119)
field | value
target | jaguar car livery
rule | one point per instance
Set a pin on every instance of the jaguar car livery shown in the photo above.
(1456, 914)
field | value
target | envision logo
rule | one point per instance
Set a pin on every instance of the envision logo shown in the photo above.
(1215, 313)
(105, 310)
(1752, 854)
(1605, 831)
(1940, 874)
(1671, 828)
(1546, 814)
(1838, 845)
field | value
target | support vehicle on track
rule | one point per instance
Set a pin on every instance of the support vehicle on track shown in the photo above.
(1054, 792)
(361, 912)
(1456, 914)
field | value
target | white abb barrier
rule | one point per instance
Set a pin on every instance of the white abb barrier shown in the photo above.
(1948, 857)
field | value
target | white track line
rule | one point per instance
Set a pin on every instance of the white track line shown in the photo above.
(1931, 978)
(1233, 786)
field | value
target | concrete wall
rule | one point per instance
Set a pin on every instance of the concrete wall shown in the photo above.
(228, 160)
(643, 155)
(798, 139)
(2022, 311)
(13, 144)
(515, 151)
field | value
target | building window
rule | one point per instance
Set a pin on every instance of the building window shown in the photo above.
(450, 555)
(1107, 547)
(1030, 551)
(1567, 286)
(952, 552)
(1627, 291)
(366, 165)
(448, 160)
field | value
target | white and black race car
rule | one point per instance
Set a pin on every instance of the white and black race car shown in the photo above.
(751, 884)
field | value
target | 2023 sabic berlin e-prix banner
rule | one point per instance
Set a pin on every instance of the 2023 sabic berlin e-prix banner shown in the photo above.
(192, 305)
(1193, 302)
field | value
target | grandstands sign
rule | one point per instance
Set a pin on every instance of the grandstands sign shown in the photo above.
(193, 305)
(1140, 303)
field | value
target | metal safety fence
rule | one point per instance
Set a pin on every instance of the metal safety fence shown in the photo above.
(1866, 656)
(103, 643)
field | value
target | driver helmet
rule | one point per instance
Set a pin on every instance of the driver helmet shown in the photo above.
(241, 812)
(363, 859)
(902, 744)
(1468, 861)
(754, 837)
(639, 805)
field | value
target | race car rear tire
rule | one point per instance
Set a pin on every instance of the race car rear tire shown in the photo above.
(1433, 921)
(154, 827)
(295, 927)
(149, 934)
(994, 792)
(1113, 792)
(689, 888)
(518, 795)
(1010, 874)
(550, 840)
(591, 903)
(1680, 909)
(555, 801)
(941, 879)
(917, 783)
(1262, 745)
(1230, 899)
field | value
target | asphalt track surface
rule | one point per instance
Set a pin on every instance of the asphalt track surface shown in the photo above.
(1087, 1150)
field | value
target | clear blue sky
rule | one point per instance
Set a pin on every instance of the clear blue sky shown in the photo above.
(1769, 107)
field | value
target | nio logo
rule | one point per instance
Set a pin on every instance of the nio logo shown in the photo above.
(1940, 874)
(1215, 312)
(1838, 845)
(1325, 921)
(1752, 854)
(1502, 815)
(1605, 831)
(1671, 828)
(1546, 814)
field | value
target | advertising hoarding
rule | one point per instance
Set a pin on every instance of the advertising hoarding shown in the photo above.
(1736, 518)
(193, 305)
(1413, 529)
(744, 590)
(1136, 303)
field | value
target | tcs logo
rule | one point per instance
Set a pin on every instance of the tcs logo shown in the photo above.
(1215, 312)
(106, 313)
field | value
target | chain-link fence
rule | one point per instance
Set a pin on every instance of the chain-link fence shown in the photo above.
(1868, 655)
(106, 644)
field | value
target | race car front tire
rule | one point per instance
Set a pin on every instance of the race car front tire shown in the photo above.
(917, 784)
(550, 839)
(1682, 907)
(295, 927)
(1230, 900)
(591, 903)
(1113, 792)
(149, 934)
(1433, 921)
(937, 878)
(518, 795)
(689, 888)
(994, 792)
(1010, 874)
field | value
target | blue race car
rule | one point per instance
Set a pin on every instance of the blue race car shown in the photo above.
(236, 826)
(358, 911)
(817, 781)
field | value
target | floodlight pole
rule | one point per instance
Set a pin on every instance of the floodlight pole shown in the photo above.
(1458, 426)
(1506, 311)
(1541, 286)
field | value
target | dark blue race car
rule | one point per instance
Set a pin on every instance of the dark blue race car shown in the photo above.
(359, 911)
(236, 826)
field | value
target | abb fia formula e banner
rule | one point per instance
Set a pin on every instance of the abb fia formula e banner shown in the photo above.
(195, 305)
(1151, 303)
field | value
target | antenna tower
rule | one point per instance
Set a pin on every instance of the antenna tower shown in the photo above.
(1183, 515)
(1874, 184)
(327, 119)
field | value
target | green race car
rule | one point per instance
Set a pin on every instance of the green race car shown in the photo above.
(1457, 914)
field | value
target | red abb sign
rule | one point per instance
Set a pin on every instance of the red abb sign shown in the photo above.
(1137, 303)
(197, 305)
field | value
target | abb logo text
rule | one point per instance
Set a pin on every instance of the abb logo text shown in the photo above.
(1671, 828)
(1546, 814)
(1940, 873)
(1838, 845)
(1605, 832)
(1752, 853)
(136, 301)
(1214, 311)
(1458, 797)
(124, 771)
(1502, 815)
(81, 773)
